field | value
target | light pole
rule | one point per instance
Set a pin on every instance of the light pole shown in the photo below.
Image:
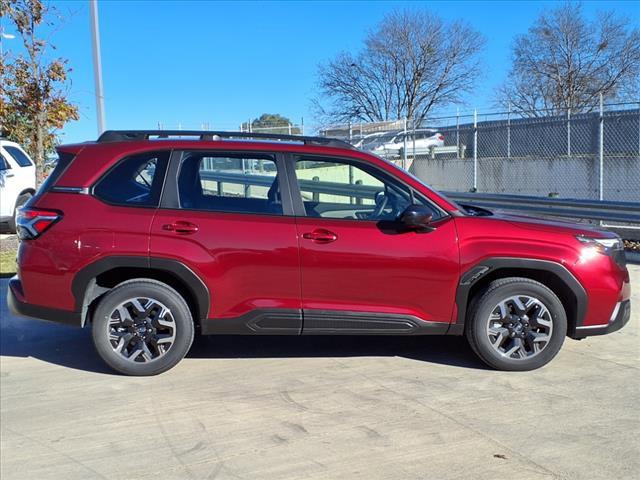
(97, 66)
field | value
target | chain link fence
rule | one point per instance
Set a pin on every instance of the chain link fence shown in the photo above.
(587, 155)
(247, 127)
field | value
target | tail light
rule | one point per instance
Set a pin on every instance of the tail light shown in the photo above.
(441, 137)
(33, 222)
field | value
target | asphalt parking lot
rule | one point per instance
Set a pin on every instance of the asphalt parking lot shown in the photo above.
(326, 408)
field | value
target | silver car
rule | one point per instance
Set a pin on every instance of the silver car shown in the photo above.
(419, 142)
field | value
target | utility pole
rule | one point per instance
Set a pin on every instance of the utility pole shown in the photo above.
(97, 66)
(601, 151)
(475, 150)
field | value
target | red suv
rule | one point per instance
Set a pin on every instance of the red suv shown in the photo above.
(150, 236)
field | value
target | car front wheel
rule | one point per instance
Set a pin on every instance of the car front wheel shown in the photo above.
(516, 324)
(142, 327)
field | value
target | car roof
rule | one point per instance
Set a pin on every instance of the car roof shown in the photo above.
(129, 147)
(130, 141)
(133, 135)
(5, 142)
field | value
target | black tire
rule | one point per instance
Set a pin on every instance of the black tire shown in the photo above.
(484, 304)
(21, 200)
(143, 288)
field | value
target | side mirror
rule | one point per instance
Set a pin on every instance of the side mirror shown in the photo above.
(417, 218)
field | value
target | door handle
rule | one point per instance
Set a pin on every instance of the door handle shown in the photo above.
(320, 235)
(181, 227)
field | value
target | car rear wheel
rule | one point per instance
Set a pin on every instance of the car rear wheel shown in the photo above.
(142, 327)
(516, 324)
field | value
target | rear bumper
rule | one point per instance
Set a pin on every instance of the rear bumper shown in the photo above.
(619, 320)
(17, 306)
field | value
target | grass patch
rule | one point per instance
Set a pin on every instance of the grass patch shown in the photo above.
(7, 263)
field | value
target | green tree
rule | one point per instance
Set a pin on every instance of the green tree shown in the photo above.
(271, 123)
(34, 101)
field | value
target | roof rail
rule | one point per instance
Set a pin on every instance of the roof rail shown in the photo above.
(133, 135)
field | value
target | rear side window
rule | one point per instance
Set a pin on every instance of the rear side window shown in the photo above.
(230, 183)
(19, 156)
(135, 181)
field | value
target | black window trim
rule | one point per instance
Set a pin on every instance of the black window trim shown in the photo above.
(297, 195)
(170, 199)
(122, 159)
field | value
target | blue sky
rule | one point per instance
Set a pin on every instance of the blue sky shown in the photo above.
(225, 62)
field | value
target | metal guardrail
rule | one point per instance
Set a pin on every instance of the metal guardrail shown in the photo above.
(330, 188)
(626, 212)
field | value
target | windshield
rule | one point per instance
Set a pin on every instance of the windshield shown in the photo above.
(370, 140)
(466, 209)
(383, 139)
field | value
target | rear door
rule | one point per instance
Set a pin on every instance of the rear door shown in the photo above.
(361, 271)
(122, 206)
(228, 217)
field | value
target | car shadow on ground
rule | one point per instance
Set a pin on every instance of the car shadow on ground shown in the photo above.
(444, 350)
(72, 347)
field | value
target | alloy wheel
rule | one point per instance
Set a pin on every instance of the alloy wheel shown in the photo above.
(520, 327)
(141, 329)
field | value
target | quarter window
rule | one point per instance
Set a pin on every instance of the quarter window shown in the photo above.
(230, 183)
(341, 189)
(135, 181)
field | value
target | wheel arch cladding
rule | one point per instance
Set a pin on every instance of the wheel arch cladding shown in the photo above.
(553, 275)
(100, 276)
(29, 190)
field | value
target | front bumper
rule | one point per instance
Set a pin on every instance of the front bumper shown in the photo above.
(616, 323)
(18, 306)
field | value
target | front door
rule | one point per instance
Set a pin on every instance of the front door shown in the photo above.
(361, 272)
(225, 219)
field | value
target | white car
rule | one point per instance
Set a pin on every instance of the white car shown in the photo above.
(418, 141)
(17, 182)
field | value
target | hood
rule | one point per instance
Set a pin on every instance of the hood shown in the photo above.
(549, 224)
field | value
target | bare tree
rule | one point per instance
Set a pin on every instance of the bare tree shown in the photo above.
(565, 61)
(411, 63)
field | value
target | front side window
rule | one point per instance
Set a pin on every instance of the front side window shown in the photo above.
(19, 156)
(237, 183)
(135, 181)
(341, 189)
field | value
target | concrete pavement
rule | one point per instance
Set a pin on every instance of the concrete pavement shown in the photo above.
(317, 408)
